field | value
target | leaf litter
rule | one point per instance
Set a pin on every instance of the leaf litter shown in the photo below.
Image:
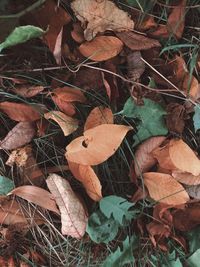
(104, 95)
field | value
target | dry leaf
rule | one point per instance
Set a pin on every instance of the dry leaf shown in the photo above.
(19, 136)
(57, 52)
(69, 94)
(136, 66)
(36, 195)
(193, 191)
(176, 116)
(137, 41)
(66, 123)
(143, 160)
(28, 91)
(86, 175)
(10, 212)
(99, 115)
(77, 33)
(165, 189)
(101, 16)
(66, 107)
(101, 48)
(97, 144)
(186, 178)
(177, 155)
(73, 215)
(21, 112)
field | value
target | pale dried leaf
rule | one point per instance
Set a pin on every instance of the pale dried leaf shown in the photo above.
(137, 41)
(66, 123)
(58, 47)
(97, 144)
(193, 191)
(165, 189)
(101, 48)
(143, 158)
(27, 91)
(186, 178)
(99, 115)
(136, 66)
(101, 16)
(36, 195)
(19, 136)
(73, 215)
(86, 175)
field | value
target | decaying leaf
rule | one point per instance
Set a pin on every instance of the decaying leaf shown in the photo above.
(97, 144)
(186, 178)
(99, 115)
(66, 107)
(101, 16)
(77, 33)
(136, 66)
(73, 214)
(193, 191)
(143, 159)
(36, 195)
(101, 48)
(20, 111)
(177, 155)
(69, 94)
(86, 175)
(25, 90)
(66, 123)
(19, 136)
(165, 189)
(137, 42)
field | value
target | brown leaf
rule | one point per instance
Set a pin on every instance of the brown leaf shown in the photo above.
(66, 107)
(186, 178)
(69, 94)
(28, 91)
(86, 175)
(165, 189)
(176, 116)
(57, 52)
(97, 144)
(143, 160)
(77, 33)
(101, 16)
(66, 123)
(193, 191)
(19, 136)
(10, 212)
(99, 115)
(36, 195)
(101, 48)
(73, 215)
(177, 155)
(21, 112)
(137, 41)
(136, 66)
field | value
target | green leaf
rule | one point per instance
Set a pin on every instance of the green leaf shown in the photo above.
(117, 207)
(151, 116)
(193, 260)
(21, 35)
(124, 255)
(6, 185)
(194, 239)
(196, 118)
(101, 229)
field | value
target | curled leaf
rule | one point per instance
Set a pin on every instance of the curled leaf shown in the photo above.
(186, 178)
(165, 189)
(73, 215)
(97, 144)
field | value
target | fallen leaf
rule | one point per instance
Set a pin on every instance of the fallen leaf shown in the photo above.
(20, 111)
(143, 160)
(37, 196)
(66, 123)
(86, 175)
(176, 116)
(101, 48)
(101, 16)
(28, 91)
(19, 136)
(186, 178)
(99, 115)
(165, 189)
(69, 94)
(10, 212)
(193, 191)
(66, 107)
(196, 118)
(6, 185)
(97, 144)
(73, 215)
(57, 52)
(77, 33)
(177, 155)
(136, 66)
(137, 42)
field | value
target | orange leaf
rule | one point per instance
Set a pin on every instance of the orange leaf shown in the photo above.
(21, 112)
(86, 175)
(165, 189)
(73, 215)
(99, 115)
(101, 48)
(37, 196)
(66, 107)
(66, 123)
(97, 144)
(186, 178)
(143, 160)
(69, 94)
